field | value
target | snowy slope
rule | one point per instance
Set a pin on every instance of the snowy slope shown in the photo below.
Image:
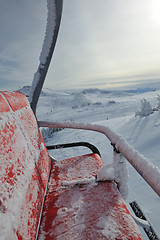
(117, 111)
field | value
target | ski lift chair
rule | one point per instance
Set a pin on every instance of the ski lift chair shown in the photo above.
(44, 199)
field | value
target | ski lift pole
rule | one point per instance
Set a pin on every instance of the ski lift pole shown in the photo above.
(52, 29)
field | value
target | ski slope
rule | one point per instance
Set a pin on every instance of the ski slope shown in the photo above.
(115, 110)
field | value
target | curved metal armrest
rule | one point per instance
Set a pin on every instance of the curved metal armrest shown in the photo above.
(75, 144)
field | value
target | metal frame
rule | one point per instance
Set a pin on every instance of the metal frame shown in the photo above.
(120, 145)
(37, 87)
(75, 144)
(149, 230)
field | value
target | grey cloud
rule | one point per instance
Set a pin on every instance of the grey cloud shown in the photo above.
(99, 42)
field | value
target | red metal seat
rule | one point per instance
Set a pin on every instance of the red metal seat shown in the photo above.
(35, 200)
(24, 166)
(89, 211)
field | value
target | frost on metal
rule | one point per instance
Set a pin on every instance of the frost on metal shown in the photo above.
(21, 152)
(146, 169)
(50, 28)
(51, 23)
(116, 171)
(121, 174)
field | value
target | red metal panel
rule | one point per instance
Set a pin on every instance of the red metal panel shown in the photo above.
(31, 208)
(43, 164)
(92, 211)
(3, 104)
(23, 180)
(35, 143)
(16, 100)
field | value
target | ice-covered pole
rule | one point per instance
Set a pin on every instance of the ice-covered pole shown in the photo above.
(146, 169)
(53, 22)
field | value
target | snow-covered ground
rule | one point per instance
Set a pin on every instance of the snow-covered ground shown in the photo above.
(117, 111)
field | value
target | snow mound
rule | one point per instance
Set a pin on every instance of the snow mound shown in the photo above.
(95, 91)
(80, 100)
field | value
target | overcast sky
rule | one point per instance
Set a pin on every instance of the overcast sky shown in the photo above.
(101, 43)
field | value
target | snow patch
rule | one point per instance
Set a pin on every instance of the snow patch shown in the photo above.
(83, 181)
(106, 173)
(80, 100)
(116, 171)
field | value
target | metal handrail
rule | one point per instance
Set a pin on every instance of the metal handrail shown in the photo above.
(146, 169)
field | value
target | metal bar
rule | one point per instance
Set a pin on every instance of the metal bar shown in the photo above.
(37, 84)
(146, 169)
(149, 230)
(75, 144)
